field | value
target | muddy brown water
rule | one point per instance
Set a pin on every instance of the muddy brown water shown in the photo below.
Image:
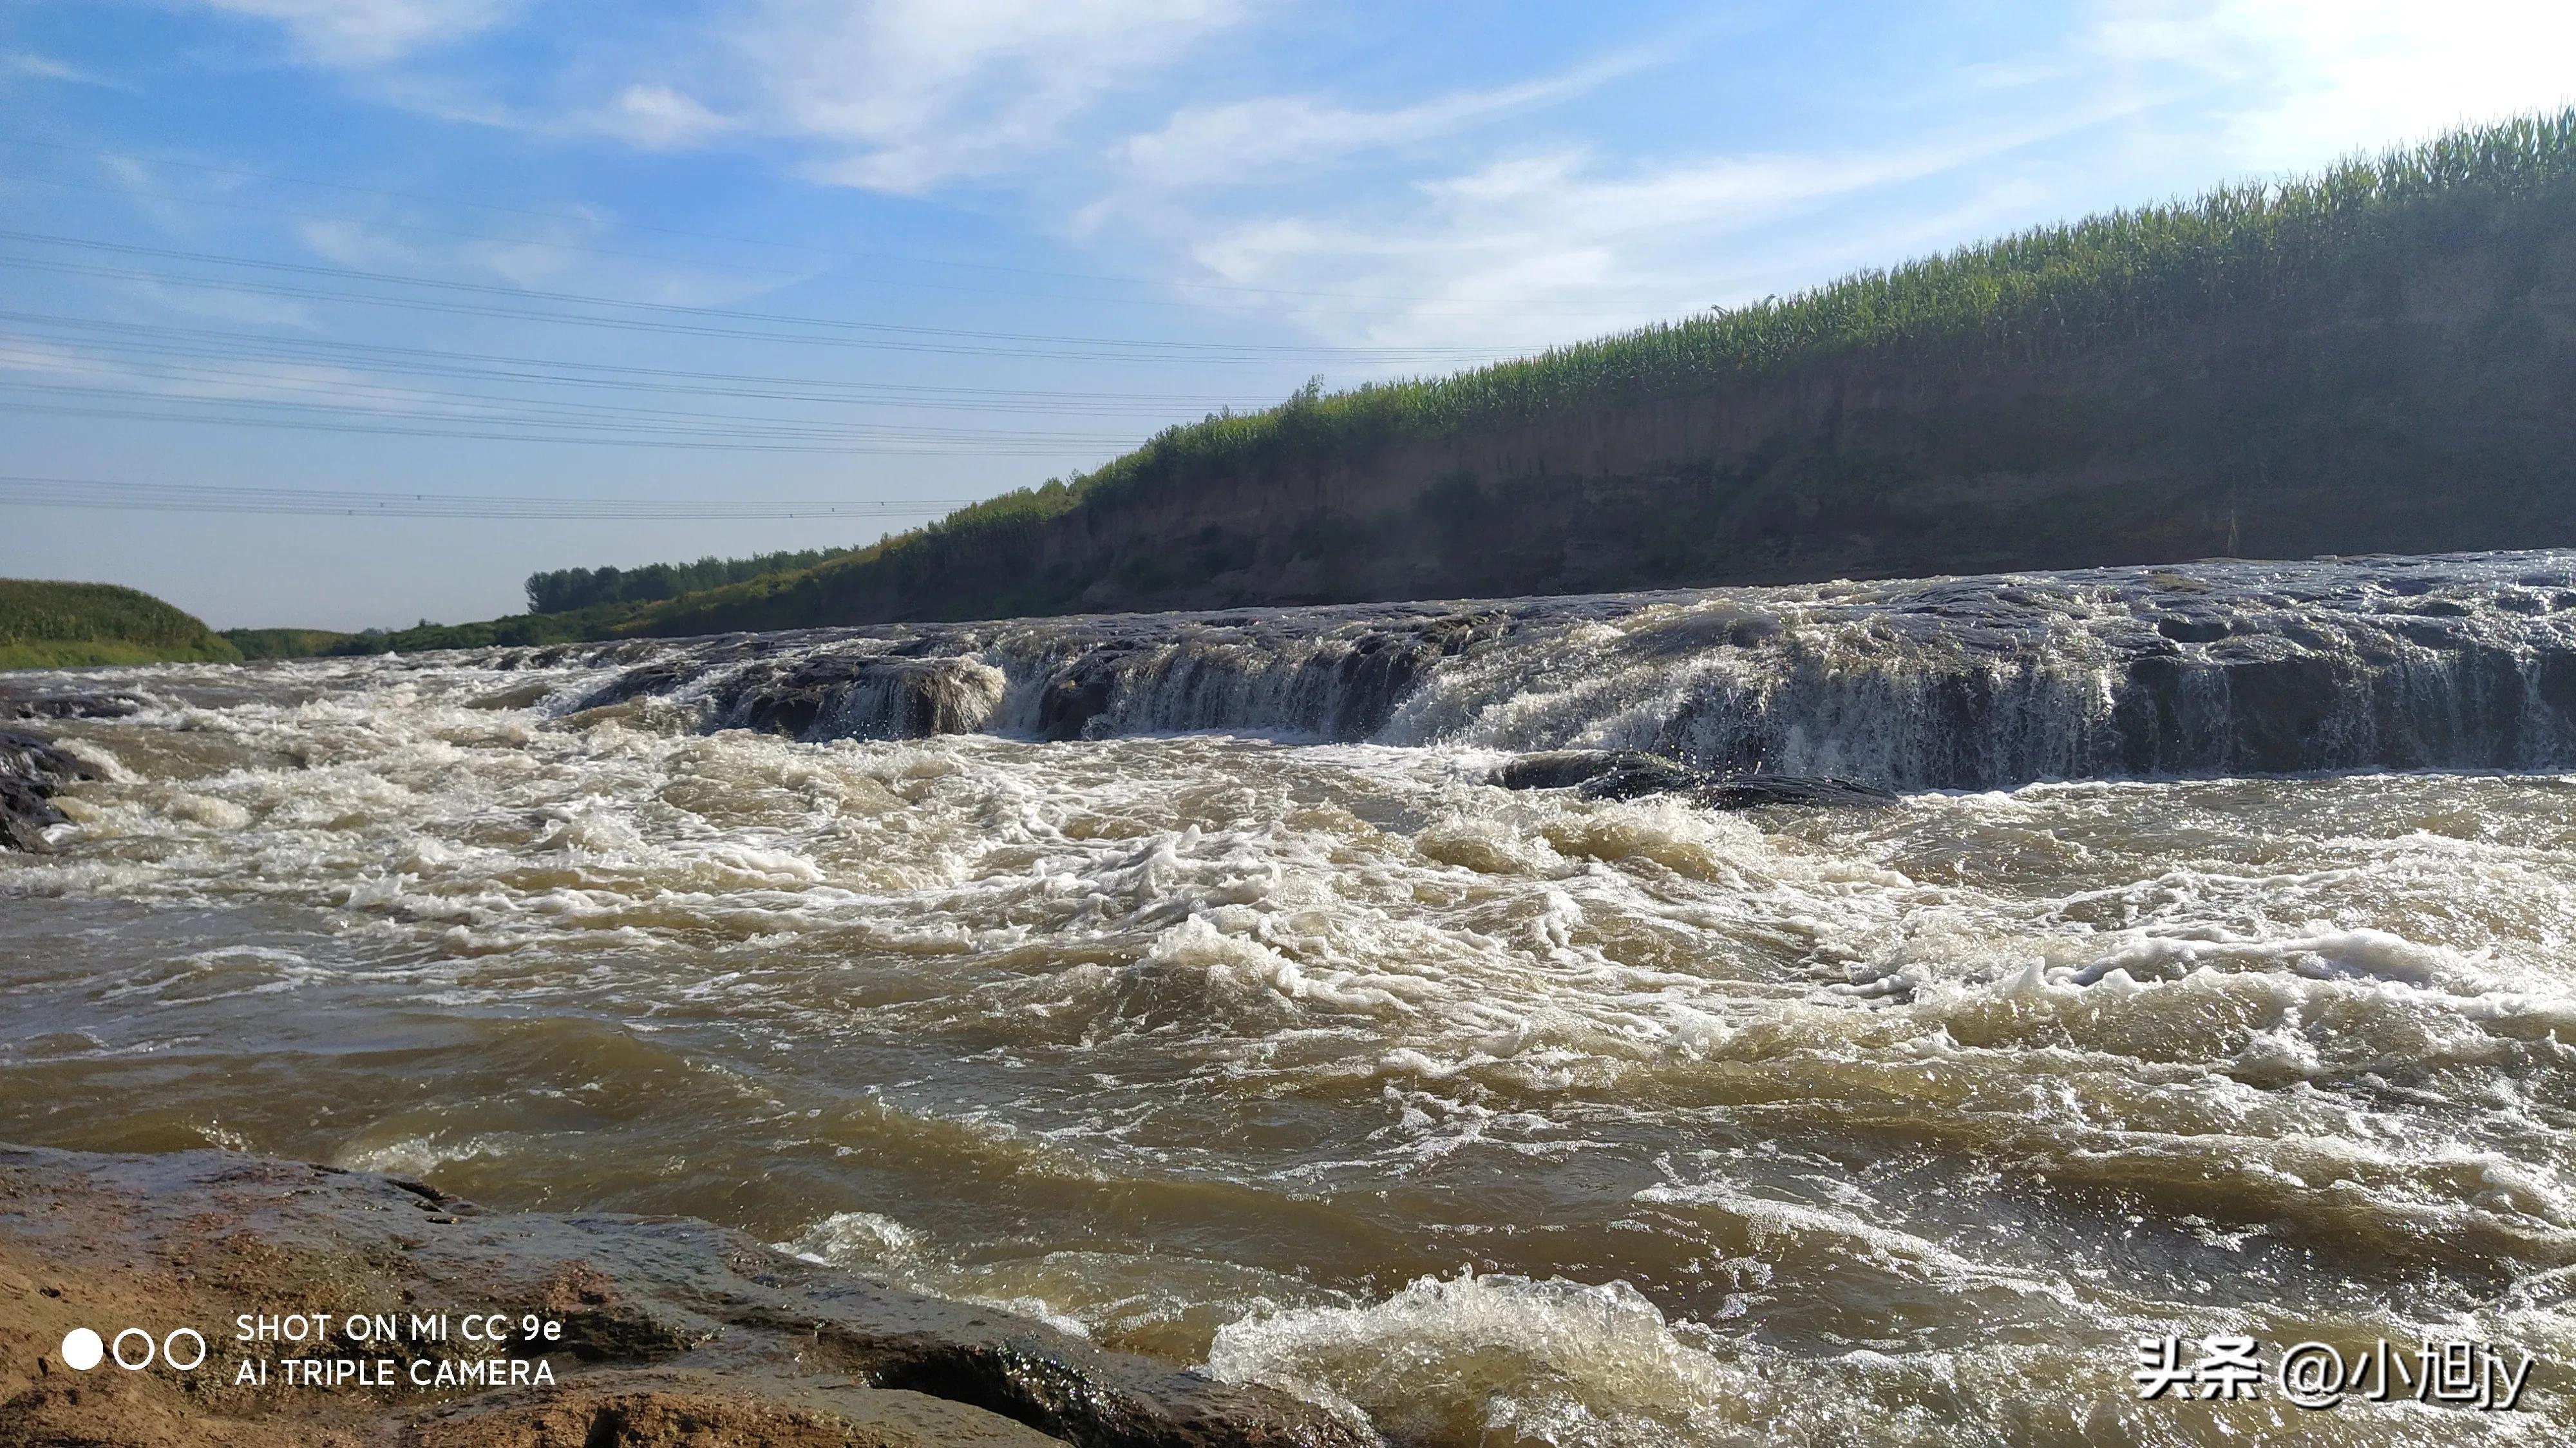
(1498, 1117)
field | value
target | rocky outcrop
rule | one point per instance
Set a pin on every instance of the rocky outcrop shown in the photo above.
(671, 1331)
(15, 705)
(31, 771)
(1630, 774)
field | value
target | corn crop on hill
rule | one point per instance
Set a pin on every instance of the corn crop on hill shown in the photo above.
(2379, 358)
(47, 625)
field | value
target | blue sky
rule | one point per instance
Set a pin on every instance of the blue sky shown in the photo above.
(706, 259)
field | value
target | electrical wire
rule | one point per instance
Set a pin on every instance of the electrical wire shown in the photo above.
(208, 343)
(884, 334)
(205, 498)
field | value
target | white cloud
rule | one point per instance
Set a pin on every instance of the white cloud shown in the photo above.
(370, 32)
(29, 64)
(224, 306)
(1564, 240)
(910, 93)
(548, 252)
(1246, 142)
(1547, 245)
(551, 248)
(352, 244)
(658, 118)
(2304, 81)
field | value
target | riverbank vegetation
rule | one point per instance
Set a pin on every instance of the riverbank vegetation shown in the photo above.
(2284, 368)
(2258, 261)
(568, 590)
(51, 625)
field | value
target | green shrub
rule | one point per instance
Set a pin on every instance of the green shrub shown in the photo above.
(72, 625)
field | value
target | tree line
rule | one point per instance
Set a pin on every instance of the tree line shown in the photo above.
(563, 590)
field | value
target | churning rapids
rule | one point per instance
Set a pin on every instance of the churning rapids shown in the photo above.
(1183, 980)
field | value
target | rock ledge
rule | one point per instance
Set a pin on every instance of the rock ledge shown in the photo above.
(675, 1332)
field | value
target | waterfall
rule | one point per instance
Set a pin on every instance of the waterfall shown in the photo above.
(2452, 662)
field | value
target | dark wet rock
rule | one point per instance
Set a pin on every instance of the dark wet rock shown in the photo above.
(653, 678)
(1806, 791)
(521, 696)
(860, 696)
(31, 772)
(675, 1331)
(1632, 774)
(1555, 769)
(1076, 695)
(1170, 676)
(2217, 667)
(69, 706)
(2187, 629)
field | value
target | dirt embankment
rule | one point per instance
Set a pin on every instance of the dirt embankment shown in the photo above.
(614, 1330)
(2420, 399)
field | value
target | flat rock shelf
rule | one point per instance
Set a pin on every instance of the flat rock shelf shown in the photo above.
(674, 1331)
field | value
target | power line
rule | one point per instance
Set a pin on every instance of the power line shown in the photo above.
(200, 498)
(345, 397)
(1141, 347)
(629, 324)
(618, 440)
(808, 248)
(1520, 309)
(152, 340)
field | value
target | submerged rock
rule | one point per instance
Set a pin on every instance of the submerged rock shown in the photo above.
(1630, 773)
(862, 696)
(672, 1331)
(31, 771)
(68, 706)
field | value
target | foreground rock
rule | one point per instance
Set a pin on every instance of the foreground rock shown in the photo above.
(1629, 773)
(672, 1331)
(31, 771)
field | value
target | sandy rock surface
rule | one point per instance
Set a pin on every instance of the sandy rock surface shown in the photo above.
(672, 1331)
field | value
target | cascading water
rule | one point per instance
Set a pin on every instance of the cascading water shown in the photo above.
(2465, 662)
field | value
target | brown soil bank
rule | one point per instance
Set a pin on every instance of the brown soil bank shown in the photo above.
(2382, 359)
(672, 1331)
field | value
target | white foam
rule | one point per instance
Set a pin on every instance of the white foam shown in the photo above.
(1456, 1359)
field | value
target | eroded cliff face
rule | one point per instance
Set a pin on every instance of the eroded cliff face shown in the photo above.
(2424, 403)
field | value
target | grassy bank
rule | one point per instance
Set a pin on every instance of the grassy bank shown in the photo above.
(596, 622)
(291, 643)
(2374, 359)
(48, 625)
(1707, 429)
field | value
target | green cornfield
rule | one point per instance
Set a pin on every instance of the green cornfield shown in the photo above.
(68, 625)
(2039, 293)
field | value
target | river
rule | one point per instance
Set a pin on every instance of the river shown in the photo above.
(1182, 981)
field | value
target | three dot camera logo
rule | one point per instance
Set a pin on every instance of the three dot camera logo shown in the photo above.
(423, 1351)
(133, 1349)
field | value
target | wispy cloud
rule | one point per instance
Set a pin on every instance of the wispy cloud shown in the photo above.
(658, 118)
(226, 306)
(2300, 81)
(29, 65)
(902, 95)
(1526, 247)
(1247, 142)
(140, 183)
(548, 252)
(370, 32)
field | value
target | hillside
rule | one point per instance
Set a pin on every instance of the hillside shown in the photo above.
(2380, 358)
(70, 625)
